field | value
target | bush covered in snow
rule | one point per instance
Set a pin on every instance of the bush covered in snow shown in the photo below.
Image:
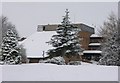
(1, 62)
(74, 63)
(60, 61)
(0, 54)
(55, 60)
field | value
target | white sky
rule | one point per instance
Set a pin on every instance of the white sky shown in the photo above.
(27, 15)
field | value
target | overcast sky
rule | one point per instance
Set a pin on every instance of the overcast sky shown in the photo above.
(27, 15)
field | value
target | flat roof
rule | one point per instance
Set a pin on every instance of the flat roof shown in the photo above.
(83, 27)
(92, 51)
(94, 44)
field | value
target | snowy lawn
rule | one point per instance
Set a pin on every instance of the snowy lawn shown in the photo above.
(0, 73)
(52, 72)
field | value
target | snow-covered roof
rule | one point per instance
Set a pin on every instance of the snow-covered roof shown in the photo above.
(94, 44)
(92, 51)
(36, 45)
(95, 35)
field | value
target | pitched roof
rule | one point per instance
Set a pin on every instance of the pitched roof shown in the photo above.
(36, 45)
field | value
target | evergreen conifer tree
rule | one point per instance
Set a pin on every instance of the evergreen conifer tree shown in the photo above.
(110, 44)
(10, 48)
(67, 41)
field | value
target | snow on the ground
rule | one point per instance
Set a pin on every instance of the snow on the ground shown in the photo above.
(94, 62)
(95, 35)
(119, 74)
(52, 72)
(0, 73)
(36, 45)
(85, 63)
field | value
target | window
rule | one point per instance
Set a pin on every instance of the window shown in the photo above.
(43, 28)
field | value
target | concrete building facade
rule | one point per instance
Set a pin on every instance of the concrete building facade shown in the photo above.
(94, 51)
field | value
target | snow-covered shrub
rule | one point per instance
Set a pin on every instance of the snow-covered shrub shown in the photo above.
(74, 63)
(1, 62)
(0, 54)
(94, 62)
(23, 54)
(55, 60)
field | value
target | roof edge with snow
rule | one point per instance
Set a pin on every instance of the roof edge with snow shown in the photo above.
(92, 51)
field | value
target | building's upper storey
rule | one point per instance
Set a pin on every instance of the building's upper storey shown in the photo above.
(52, 27)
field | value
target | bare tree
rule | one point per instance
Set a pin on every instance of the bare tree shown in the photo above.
(0, 32)
(7, 25)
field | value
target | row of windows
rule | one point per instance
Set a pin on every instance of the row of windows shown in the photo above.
(95, 48)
